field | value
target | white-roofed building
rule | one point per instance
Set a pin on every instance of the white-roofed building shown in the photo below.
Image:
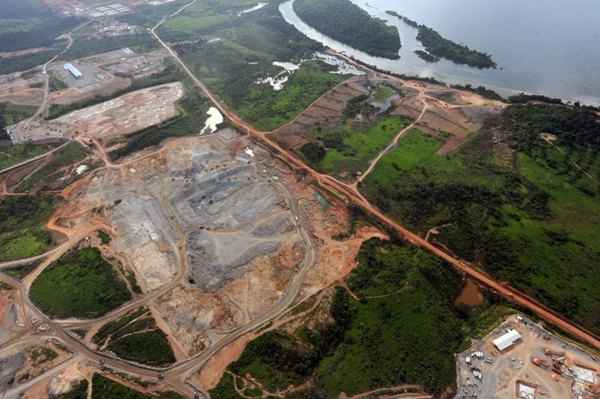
(74, 71)
(507, 340)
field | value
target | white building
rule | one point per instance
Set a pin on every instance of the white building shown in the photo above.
(507, 340)
(74, 71)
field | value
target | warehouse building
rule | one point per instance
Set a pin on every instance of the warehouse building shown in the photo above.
(507, 340)
(74, 71)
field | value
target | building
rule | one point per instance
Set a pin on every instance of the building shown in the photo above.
(74, 71)
(507, 340)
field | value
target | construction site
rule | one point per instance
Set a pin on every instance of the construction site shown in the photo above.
(118, 117)
(521, 359)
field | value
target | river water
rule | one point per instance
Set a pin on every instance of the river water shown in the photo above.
(549, 47)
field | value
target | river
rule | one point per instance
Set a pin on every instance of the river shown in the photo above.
(548, 47)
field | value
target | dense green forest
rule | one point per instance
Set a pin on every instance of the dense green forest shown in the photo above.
(89, 286)
(438, 46)
(348, 23)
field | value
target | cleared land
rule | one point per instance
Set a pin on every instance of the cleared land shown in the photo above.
(118, 117)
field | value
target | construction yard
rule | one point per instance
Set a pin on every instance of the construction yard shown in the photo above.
(533, 364)
(118, 117)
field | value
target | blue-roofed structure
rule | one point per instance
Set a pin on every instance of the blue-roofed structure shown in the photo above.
(74, 71)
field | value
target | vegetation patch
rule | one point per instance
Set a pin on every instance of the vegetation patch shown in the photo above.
(21, 226)
(348, 149)
(136, 337)
(14, 154)
(346, 22)
(104, 388)
(532, 221)
(56, 168)
(26, 61)
(11, 114)
(88, 286)
(79, 391)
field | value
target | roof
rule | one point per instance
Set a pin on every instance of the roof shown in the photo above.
(526, 391)
(507, 340)
(584, 374)
(71, 68)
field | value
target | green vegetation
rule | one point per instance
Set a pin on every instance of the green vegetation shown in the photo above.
(346, 22)
(85, 47)
(88, 286)
(104, 237)
(30, 24)
(11, 114)
(136, 337)
(425, 56)
(349, 150)
(438, 47)
(404, 329)
(244, 54)
(68, 155)
(55, 84)
(191, 118)
(78, 392)
(532, 220)
(14, 154)
(269, 109)
(19, 272)
(25, 61)
(481, 90)
(104, 388)
(148, 347)
(21, 226)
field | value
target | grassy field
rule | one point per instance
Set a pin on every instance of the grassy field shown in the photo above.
(534, 223)
(404, 329)
(88, 286)
(14, 154)
(349, 150)
(21, 226)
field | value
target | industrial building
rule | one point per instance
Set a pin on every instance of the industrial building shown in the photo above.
(507, 340)
(74, 71)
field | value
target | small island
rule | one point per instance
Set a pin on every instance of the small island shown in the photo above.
(438, 47)
(346, 22)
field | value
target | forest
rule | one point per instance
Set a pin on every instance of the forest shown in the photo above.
(348, 23)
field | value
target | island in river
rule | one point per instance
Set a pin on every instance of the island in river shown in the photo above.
(344, 21)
